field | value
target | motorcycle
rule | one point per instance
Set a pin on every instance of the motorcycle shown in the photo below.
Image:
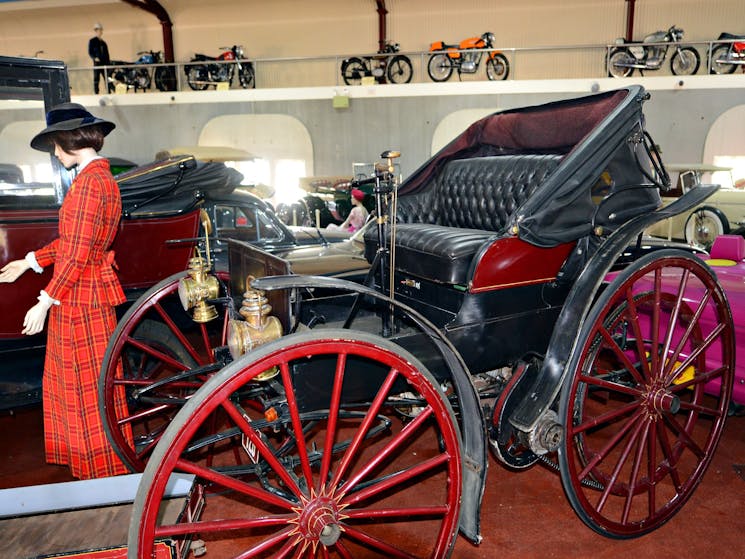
(135, 77)
(466, 57)
(214, 70)
(395, 68)
(725, 57)
(638, 55)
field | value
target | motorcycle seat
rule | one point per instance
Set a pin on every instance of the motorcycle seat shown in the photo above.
(441, 45)
(199, 56)
(730, 36)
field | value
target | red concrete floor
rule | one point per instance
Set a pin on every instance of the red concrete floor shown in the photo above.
(524, 515)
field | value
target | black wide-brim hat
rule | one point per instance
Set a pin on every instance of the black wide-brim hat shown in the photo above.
(67, 116)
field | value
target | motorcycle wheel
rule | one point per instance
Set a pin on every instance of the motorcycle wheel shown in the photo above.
(440, 67)
(196, 77)
(165, 79)
(353, 70)
(719, 53)
(246, 76)
(685, 62)
(142, 80)
(616, 60)
(399, 69)
(497, 67)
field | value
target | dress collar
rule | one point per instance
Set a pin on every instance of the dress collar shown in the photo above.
(84, 164)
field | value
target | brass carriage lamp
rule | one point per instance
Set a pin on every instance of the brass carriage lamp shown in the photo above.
(194, 291)
(257, 328)
(200, 285)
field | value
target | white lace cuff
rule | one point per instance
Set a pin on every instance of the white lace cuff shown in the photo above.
(44, 297)
(31, 259)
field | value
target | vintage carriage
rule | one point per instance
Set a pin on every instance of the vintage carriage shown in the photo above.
(327, 418)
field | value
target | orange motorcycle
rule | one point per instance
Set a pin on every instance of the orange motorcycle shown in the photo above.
(466, 57)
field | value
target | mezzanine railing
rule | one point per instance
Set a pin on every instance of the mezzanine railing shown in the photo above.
(557, 62)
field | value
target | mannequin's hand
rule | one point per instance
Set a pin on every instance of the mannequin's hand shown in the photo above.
(12, 270)
(33, 323)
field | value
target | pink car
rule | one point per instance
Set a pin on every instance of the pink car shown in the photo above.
(727, 262)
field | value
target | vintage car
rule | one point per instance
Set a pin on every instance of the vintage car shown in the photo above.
(348, 419)
(161, 226)
(721, 213)
(234, 212)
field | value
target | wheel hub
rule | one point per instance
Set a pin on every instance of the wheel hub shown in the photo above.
(661, 401)
(318, 521)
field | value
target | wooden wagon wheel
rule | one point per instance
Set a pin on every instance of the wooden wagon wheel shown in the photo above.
(646, 404)
(165, 358)
(332, 468)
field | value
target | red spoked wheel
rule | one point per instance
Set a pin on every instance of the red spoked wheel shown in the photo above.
(165, 357)
(355, 453)
(646, 404)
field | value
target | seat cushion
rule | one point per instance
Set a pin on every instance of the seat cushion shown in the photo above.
(439, 253)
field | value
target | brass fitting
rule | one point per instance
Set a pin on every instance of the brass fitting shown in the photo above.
(257, 328)
(197, 288)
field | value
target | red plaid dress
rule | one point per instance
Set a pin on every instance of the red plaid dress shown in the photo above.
(80, 327)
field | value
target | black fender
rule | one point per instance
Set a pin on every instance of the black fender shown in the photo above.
(473, 430)
(564, 343)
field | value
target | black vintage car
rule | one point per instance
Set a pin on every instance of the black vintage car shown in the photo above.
(180, 183)
(342, 419)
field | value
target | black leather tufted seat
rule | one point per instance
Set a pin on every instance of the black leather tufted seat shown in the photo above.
(441, 229)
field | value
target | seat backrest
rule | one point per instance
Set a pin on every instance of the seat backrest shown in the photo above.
(483, 192)
(728, 247)
(478, 193)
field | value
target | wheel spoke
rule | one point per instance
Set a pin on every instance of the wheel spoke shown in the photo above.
(266, 545)
(343, 551)
(611, 386)
(667, 451)
(225, 525)
(611, 484)
(151, 351)
(234, 484)
(621, 355)
(693, 324)
(683, 437)
(179, 334)
(403, 513)
(633, 476)
(364, 428)
(656, 308)
(245, 426)
(698, 379)
(638, 337)
(605, 451)
(341, 363)
(296, 423)
(674, 319)
(397, 479)
(701, 348)
(651, 469)
(608, 417)
(382, 455)
(385, 549)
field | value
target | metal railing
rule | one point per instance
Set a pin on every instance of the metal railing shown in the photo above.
(549, 62)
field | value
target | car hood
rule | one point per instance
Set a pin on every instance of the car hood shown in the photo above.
(313, 235)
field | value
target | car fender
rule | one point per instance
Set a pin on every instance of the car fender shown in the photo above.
(564, 343)
(473, 453)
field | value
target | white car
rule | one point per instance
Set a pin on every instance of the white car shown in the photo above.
(721, 213)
